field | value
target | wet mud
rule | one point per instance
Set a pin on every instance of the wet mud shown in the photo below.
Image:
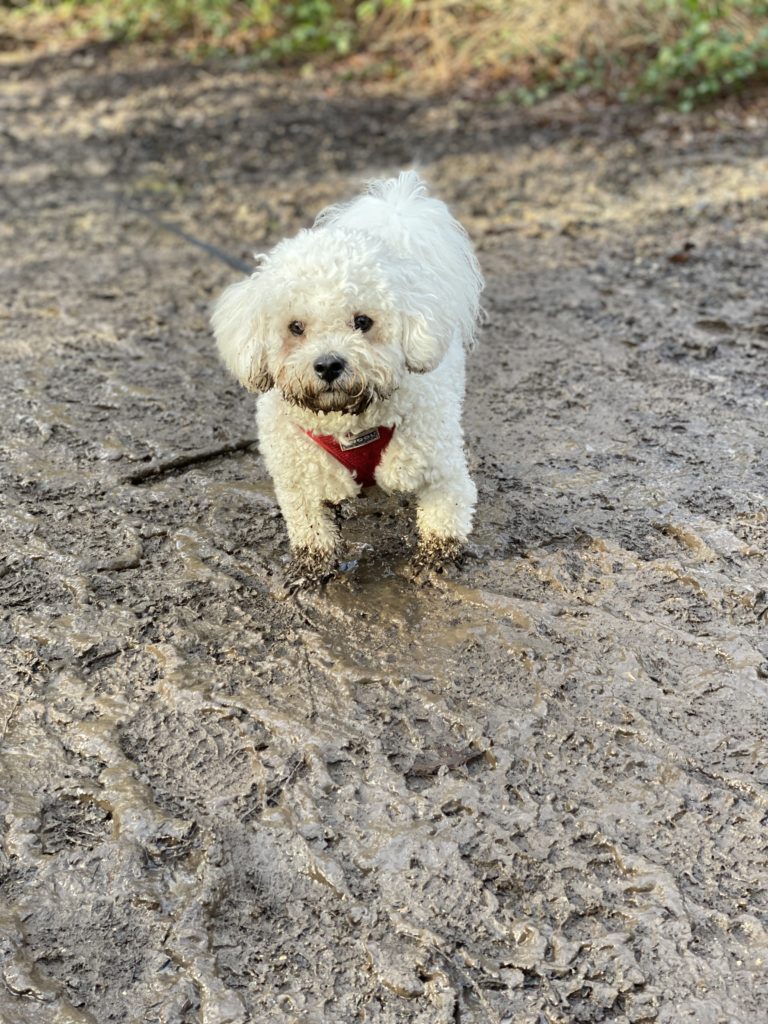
(533, 791)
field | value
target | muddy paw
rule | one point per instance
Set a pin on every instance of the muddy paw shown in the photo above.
(441, 555)
(309, 570)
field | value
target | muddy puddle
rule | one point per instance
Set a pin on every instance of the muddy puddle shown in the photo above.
(533, 791)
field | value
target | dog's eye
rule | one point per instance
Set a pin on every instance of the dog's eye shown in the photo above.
(296, 327)
(362, 322)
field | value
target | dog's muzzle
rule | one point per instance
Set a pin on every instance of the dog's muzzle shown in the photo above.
(335, 399)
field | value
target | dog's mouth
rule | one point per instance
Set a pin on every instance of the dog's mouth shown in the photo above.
(335, 398)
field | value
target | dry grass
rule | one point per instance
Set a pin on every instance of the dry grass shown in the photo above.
(442, 36)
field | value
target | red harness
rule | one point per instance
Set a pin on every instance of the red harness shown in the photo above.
(361, 454)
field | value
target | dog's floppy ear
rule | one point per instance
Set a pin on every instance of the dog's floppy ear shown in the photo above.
(240, 332)
(425, 340)
(441, 301)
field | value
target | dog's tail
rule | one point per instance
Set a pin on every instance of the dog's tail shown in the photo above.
(401, 211)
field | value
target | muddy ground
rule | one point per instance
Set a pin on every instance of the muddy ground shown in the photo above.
(532, 793)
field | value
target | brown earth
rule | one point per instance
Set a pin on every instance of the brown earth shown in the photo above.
(533, 793)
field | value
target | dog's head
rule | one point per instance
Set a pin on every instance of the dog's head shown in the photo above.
(334, 319)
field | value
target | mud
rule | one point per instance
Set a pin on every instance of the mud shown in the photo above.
(534, 791)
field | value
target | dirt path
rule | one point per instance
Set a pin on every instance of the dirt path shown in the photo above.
(536, 793)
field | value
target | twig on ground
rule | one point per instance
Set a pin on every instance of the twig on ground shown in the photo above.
(8, 718)
(162, 466)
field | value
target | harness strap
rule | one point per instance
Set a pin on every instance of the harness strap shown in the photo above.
(361, 453)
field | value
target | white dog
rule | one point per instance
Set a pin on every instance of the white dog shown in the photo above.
(356, 331)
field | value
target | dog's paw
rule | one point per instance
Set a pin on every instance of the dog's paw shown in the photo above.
(309, 570)
(443, 556)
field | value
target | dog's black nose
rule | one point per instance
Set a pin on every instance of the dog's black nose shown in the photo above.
(328, 368)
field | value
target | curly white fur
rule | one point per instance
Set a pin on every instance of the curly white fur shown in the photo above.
(396, 256)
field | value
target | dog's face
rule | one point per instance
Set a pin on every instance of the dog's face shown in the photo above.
(340, 359)
(333, 319)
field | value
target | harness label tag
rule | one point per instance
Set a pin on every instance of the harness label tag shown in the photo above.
(359, 440)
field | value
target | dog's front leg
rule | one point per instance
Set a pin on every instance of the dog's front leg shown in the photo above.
(313, 534)
(444, 517)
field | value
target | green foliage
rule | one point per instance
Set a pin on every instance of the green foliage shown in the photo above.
(716, 50)
(700, 50)
(569, 76)
(313, 26)
(270, 28)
